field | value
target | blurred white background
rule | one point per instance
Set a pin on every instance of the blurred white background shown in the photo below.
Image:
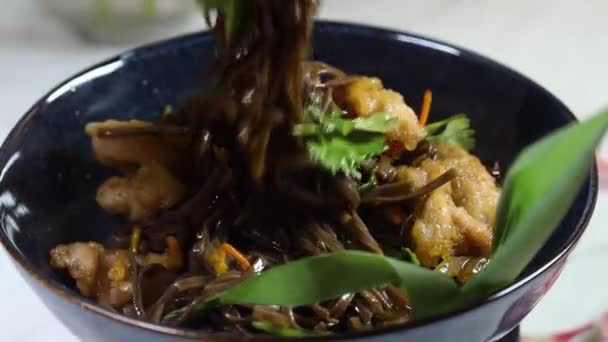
(562, 44)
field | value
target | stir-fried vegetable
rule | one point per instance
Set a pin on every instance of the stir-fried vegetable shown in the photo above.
(341, 144)
(238, 256)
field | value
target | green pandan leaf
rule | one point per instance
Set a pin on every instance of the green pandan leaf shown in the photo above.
(409, 255)
(314, 279)
(539, 189)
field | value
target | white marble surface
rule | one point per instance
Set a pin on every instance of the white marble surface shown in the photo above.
(562, 44)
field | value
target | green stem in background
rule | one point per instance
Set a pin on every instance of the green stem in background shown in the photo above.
(233, 12)
(103, 8)
(150, 7)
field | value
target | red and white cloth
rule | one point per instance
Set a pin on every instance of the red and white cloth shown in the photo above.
(596, 331)
(582, 288)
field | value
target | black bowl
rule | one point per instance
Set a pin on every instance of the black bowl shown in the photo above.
(48, 177)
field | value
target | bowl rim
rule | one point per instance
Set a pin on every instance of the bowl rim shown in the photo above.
(322, 26)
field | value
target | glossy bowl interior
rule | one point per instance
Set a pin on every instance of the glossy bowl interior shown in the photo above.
(49, 177)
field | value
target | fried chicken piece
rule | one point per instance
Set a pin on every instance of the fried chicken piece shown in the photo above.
(458, 218)
(105, 274)
(131, 151)
(366, 95)
(142, 195)
(99, 273)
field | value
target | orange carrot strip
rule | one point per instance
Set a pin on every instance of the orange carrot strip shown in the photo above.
(426, 106)
(175, 258)
(240, 258)
(173, 247)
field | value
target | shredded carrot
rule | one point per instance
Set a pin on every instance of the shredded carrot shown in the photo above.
(240, 258)
(174, 253)
(135, 239)
(172, 259)
(173, 247)
(426, 107)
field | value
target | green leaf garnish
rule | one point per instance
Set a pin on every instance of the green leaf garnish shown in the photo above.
(532, 204)
(453, 130)
(341, 144)
(334, 122)
(379, 122)
(287, 332)
(329, 276)
(306, 129)
(339, 153)
(538, 191)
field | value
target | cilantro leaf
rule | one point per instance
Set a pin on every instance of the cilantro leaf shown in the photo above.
(334, 122)
(336, 152)
(341, 144)
(306, 129)
(314, 111)
(379, 122)
(326, 123)
(453, 130)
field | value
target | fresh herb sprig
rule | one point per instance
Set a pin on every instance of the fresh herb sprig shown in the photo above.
(453, 130)
(341, 144)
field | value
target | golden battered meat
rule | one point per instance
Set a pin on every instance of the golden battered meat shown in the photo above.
(142, 195)
(104, 274)
(99, 273)
(458, 218)
(130, 151)
(81, 259)
(367, 95)
(115, 286)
